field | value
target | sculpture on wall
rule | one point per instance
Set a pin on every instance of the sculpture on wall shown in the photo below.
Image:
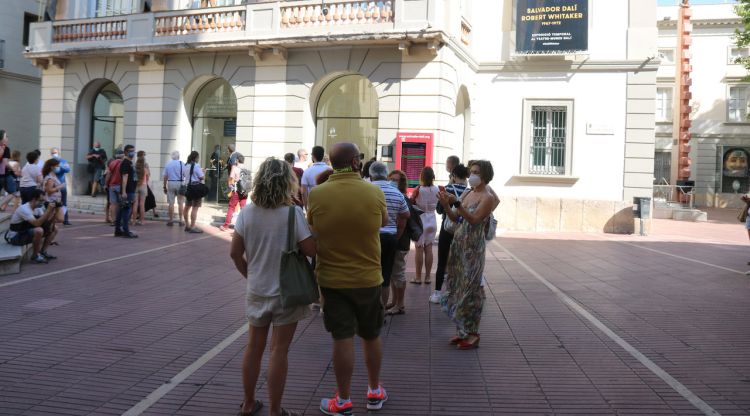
(735, 163)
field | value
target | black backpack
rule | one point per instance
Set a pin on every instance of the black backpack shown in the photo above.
(244, 183)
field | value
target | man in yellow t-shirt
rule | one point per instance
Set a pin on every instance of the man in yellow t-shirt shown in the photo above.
(346, 214)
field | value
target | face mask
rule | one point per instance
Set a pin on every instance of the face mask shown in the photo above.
(96, 148)
(56, 156)
(474, 181)
(57, 169)
(131, 154)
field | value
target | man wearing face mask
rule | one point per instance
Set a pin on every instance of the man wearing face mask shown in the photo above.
(127, 194)
(97, 159)
(64, 169)
(346, 214)
(398, 214)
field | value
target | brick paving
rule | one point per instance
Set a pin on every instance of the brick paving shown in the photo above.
(98, 339)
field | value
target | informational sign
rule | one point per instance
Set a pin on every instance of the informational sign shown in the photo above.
(552, 26)
(230, 128)
(413, 153)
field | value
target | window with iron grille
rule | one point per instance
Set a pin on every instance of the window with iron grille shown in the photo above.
(662, 167)
(548, 140)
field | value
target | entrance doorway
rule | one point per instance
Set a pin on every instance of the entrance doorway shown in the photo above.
(348, 111)
(107, 125)
(214, 129)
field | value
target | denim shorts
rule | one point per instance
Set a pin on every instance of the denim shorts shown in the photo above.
(11, 184)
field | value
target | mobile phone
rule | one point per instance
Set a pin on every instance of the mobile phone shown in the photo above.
(441, 188)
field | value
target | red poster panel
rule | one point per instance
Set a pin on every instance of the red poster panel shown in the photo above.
(413, 153)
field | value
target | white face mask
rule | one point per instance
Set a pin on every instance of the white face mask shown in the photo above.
(474, 181)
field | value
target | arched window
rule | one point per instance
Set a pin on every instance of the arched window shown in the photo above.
(348, 111)
(107, 122)
(214, 128)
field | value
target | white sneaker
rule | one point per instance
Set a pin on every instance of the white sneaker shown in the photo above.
(435, 297)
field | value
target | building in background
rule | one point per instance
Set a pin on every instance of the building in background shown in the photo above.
(20, 81)
(720, 144)
(558, 95)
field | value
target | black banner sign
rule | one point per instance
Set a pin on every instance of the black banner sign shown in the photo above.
(552, 26)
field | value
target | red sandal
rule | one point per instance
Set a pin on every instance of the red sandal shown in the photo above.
(465, 344)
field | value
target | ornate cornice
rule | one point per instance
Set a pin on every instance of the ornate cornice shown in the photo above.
(706, 23)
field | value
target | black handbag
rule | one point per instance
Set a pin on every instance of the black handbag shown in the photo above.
(150, 199)
(296, 278)
(195, 190)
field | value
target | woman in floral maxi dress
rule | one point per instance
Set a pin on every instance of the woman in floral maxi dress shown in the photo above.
(464, 298)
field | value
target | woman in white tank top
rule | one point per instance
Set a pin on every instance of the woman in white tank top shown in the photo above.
(426, 198)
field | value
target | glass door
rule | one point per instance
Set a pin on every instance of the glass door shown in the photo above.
(348, 111)
(214, 129)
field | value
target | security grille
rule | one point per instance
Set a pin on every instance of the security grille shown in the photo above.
(662, 168)
(549, 129)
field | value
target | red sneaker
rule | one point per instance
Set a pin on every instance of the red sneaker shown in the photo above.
(376, 399)
(336, 406)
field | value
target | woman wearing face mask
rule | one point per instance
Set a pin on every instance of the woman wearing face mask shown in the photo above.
(456, 187)
(52, 187)
(463, 299)
(193, 175)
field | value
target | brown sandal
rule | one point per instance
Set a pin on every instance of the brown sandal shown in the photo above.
(253, 412)
(395, 311)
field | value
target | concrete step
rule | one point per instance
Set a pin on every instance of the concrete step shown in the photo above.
(689, 215)
(11, 257)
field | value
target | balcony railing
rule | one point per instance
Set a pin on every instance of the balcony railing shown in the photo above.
(270, 23)
(299, 14)
(98, 29)
(192, 22)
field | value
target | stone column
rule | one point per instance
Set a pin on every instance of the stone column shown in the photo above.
(272, 128)
(149, 120)
(641, 90)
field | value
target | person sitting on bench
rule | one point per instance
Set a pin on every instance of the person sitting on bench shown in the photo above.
(30, 223)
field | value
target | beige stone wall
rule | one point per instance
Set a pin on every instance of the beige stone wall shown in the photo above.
(67, 101)
(565, 215)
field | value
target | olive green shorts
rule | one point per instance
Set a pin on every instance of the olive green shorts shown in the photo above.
(347, 312)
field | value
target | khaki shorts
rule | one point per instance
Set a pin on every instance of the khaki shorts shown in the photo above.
(173, 189)
(398, 276)
(262, 311)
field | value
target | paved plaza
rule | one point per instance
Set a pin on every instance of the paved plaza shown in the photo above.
(573, 324)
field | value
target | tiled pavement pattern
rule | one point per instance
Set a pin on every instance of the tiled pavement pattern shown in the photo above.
(98, 339)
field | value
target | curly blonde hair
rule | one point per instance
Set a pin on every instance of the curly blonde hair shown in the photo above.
(275, 184)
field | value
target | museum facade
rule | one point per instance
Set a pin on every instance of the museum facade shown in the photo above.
(560, 98)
